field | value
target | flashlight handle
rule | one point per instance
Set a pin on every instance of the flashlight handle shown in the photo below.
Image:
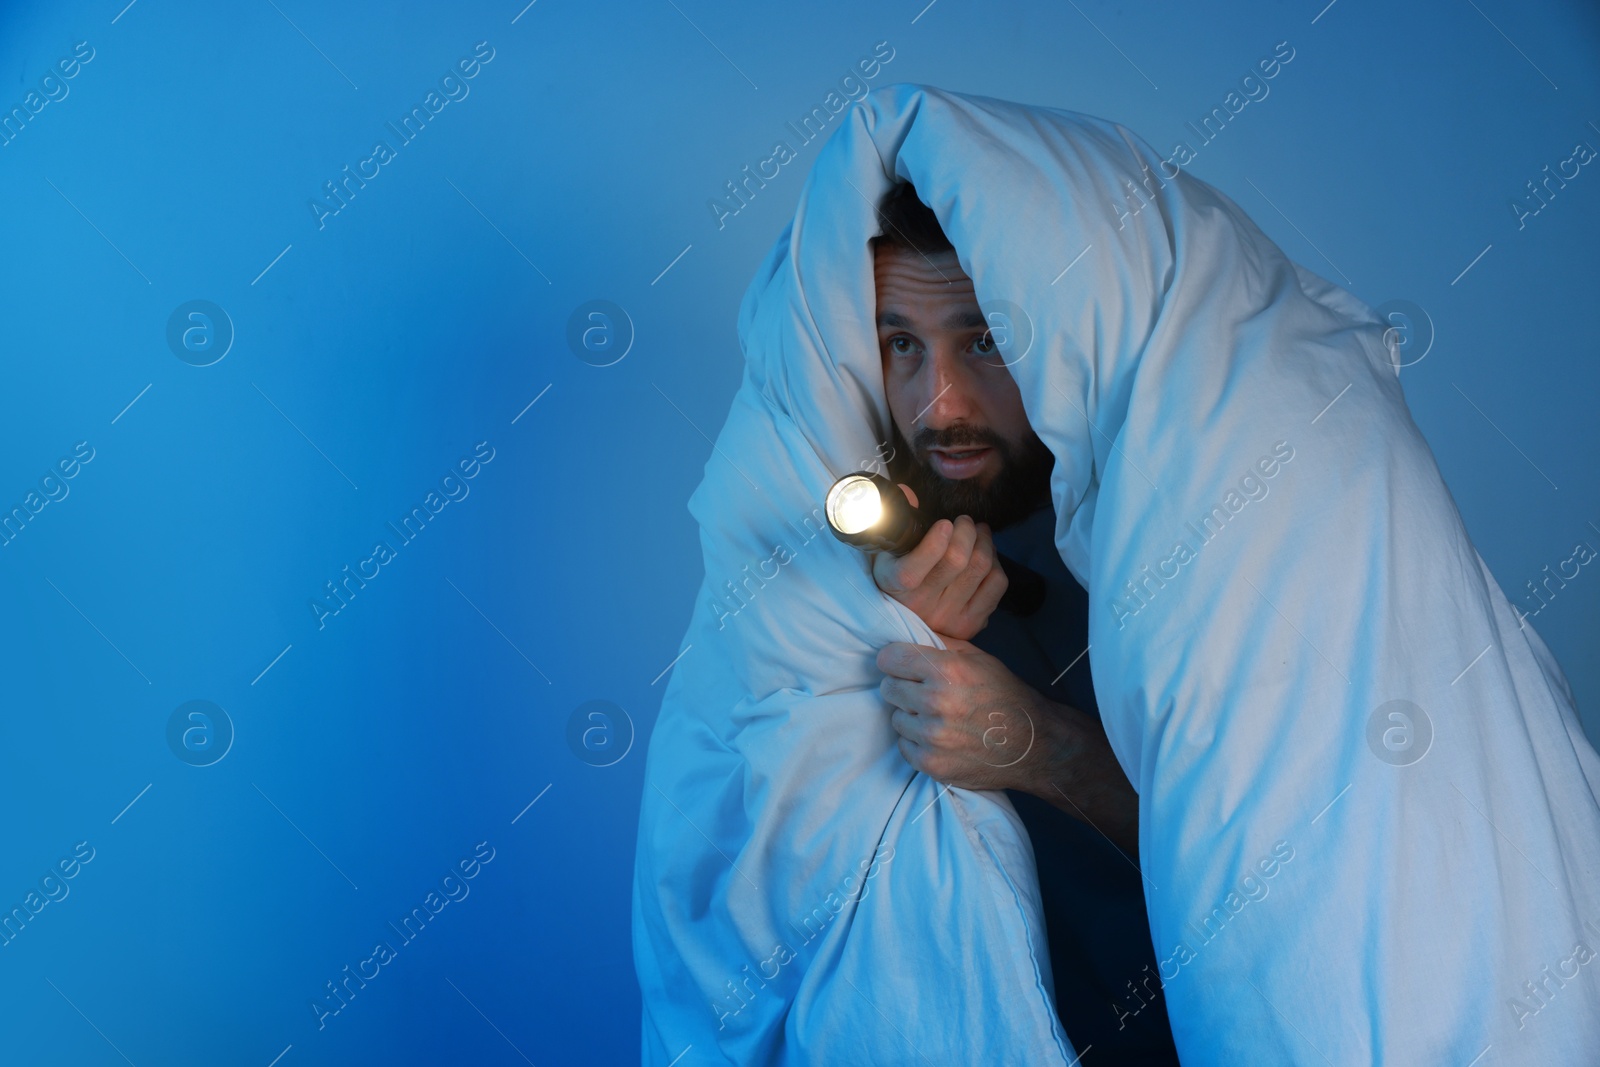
(1025, 587)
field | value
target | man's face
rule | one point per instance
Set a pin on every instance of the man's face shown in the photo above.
(962, 439)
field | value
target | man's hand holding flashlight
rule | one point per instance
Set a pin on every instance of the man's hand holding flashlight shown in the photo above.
(952, 579)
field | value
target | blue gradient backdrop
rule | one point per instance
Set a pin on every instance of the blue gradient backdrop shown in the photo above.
(376, 749)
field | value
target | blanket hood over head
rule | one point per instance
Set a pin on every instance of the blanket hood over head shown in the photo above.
(1368, 818)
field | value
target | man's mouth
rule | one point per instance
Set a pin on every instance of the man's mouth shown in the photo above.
(958, 463)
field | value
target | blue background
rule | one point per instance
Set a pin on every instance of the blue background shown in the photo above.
(373, 353)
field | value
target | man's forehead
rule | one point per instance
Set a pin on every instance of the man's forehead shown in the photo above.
(918, 268)
(909, 284)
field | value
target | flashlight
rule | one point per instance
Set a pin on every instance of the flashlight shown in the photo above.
(870, 512)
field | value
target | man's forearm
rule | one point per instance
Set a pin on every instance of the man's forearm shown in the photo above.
(1081, 776)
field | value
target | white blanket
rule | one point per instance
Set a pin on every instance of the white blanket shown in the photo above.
(1273, 562)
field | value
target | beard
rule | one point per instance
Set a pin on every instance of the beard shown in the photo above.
(1017, 490)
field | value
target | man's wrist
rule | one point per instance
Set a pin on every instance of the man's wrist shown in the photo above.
(1077, 772)
(1057, 748)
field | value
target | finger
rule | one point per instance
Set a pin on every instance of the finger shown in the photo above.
(913, 567)
(886, 573)
(901, 695)
(986, 598)
(983, 546)
(910, 753)
(979, 564)
(907, 725)
(903, 574)
(911, 494)
(914, 663)
(963, 534)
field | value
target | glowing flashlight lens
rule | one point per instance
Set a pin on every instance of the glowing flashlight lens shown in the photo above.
(854, 505)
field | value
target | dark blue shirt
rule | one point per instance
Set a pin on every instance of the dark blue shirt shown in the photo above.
(1107, 982)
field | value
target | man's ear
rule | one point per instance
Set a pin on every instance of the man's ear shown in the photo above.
(910, 494)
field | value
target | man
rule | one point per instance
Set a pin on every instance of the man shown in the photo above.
(1329, 675)
(977, 716)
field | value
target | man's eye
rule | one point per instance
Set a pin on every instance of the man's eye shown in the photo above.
(985, 345)
(901, 345)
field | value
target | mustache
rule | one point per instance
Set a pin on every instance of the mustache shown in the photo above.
(1020, 486)
(957, 437)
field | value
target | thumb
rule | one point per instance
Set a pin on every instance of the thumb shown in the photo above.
(886, 573)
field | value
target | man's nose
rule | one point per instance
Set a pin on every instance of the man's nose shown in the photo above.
(948, 397)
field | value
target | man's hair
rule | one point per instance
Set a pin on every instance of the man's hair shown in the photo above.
(908, 223)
